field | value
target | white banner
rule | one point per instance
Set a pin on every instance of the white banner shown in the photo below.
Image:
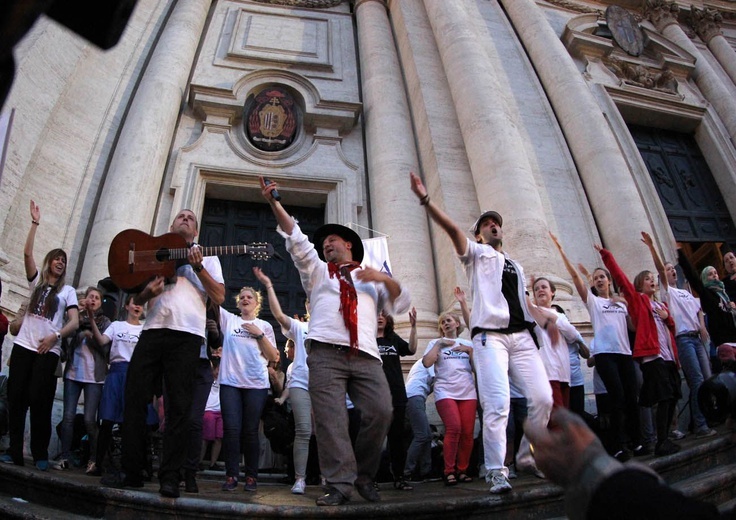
(376, 254)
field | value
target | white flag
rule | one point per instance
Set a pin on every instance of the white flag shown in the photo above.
(376, 254)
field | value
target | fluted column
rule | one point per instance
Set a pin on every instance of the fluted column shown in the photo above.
(597, 154)
(391, 154)
(707, 24)
(502, 173)
(130, 194)
(664, 16)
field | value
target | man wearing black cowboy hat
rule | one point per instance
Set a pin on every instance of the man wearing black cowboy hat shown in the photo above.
(343, 357)
(503, 346)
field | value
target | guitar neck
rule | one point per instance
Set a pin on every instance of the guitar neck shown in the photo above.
(182, 253)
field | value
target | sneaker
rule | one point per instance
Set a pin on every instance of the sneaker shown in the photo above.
(512, 471)
(642, 449)
(705, 432)
(93, 470)
(622, 455)
(6, 459)
(42, 465)
(299, 487)
(231, 484)
(677, 435)
(250, 484)
(499, 483)
(666, 448)
(61, 464)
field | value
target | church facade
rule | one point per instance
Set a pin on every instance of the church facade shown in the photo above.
(595, 120)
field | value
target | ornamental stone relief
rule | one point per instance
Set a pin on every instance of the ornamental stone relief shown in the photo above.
(642, 76)
(308, 4)
(706, 22)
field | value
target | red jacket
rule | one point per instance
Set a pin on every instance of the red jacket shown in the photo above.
(642, 315)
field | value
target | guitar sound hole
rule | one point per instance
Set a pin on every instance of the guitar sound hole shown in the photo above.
(163, 255)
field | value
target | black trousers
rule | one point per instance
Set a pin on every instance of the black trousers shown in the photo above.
(173, 356)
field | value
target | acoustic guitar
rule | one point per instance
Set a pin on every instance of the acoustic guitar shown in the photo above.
(136, 257)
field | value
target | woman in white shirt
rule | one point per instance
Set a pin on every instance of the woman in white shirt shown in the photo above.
(122, 337)
(455, 396)
(248, 346)
(35, 355)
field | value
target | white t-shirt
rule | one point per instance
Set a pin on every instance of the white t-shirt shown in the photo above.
(298, 372)
(36, 327)
(420, 380)
(181, 306)
(213, 401)
(453, 372)
(484, 268)
(242, 364)
(556, 356)
(663, 335)
(684, 308)
(326, 320)
(81, 366)
(609, 326)
(576, 373)
(124, 337)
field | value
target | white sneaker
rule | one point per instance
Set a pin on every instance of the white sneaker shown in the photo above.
(299, 487)
(677, 435)
(499, 483)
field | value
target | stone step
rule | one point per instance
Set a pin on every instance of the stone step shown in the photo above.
(18, 508)
(704, 469)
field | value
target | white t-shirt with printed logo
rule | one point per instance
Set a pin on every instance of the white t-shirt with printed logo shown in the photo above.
(242, 365)
(453, 372)
(36, 327)
(609, 326)
(124, 337)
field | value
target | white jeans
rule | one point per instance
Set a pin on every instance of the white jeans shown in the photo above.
(505, 355)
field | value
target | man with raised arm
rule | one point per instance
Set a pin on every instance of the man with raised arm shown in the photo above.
(343, 357)
(501, 322)
(170, 345)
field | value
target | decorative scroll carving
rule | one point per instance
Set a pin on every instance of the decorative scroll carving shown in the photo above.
(706, 22)
(661, 12)
(308, 4)
(641, 76)
(577, 7)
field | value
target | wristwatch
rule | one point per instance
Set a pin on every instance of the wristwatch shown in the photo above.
(58, 335)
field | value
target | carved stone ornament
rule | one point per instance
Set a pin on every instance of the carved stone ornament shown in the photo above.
(641, 76)
(662, 12)
(706, 22)
(308, 4)
(576, 6)
(271, 119)
(625, 30)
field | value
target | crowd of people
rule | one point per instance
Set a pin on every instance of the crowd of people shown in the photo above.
(213, 375)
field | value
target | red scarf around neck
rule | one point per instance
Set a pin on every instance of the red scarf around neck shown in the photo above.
(348, 298)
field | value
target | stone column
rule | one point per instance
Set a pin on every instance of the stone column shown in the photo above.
(502, 173)
(131, 190)
(602, 168)
(707, 24)
(391, 155)
(663, 15)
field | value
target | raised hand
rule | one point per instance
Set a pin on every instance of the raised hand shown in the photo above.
(413, 317)
(417, 186)
(647, 239)
(35, 212)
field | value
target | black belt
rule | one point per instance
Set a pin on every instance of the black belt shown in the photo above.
(345, 349)
(689, 334)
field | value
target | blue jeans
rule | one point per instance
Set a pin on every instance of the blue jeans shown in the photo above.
(241, 414)
(688, 348)
(419, 455)
(92, 396)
